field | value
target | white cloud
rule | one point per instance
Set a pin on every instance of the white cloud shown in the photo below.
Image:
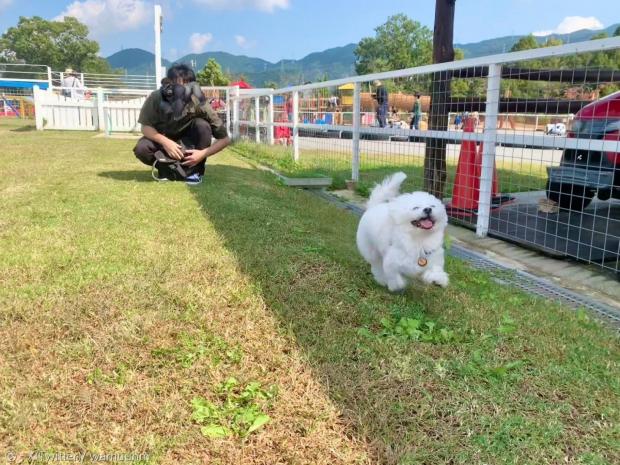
(243, 42)
(262, 5)
(4, 4)
(572, 24)
(109, 16)
(198, 41)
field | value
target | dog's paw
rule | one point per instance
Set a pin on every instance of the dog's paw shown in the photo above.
(396, 284)
(439, 278)
(377, 273)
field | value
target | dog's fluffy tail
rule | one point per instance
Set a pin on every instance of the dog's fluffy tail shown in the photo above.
(387, 190)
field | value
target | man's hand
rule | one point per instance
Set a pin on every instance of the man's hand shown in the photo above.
(173, 149)
(194, 156)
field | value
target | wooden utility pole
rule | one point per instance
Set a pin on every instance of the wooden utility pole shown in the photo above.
(443, 51)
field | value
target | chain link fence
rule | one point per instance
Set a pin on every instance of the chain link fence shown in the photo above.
(523, 146)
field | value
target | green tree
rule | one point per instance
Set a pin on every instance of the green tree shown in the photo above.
(534, 89)
(270, 85)
(605, 60)
(552, 42)
(399, 43)
(212, 75)
(600, 35)
(58, 44)
(469, 87)
(98, 65)
(525, 43)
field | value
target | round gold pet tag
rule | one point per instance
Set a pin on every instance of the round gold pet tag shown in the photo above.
(422, 261)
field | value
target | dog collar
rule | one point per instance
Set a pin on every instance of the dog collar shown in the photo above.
(422, 260)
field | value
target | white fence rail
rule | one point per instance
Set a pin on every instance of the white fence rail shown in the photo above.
(106, 110)
(108, 81)
(328, 141)
(22, 74)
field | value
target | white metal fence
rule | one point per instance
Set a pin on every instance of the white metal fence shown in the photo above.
(104, 110)
(16, 76)
(500, 170)
(108, 81)
(107, 109)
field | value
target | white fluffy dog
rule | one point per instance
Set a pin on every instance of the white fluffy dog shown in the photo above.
(401, 235)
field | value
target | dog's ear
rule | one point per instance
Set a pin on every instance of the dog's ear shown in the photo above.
(193, 89)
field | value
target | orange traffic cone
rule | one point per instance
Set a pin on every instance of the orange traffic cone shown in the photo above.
(467, 178)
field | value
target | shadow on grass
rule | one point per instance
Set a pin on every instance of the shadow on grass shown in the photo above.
(130, 175)
(27, 127)
(301, 255)
(399, 399)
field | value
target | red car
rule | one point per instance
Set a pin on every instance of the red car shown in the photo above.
(584, 173)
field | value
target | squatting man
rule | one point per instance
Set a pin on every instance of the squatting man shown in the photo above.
(178, 126)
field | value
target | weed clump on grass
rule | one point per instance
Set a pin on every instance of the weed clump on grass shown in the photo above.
(238, 411)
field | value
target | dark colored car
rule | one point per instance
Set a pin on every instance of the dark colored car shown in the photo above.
(584, 173)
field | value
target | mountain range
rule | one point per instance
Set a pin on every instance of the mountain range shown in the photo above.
(333, 63)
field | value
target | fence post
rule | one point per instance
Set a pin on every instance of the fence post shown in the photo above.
(157, 23)
(295, 126)
(355, 161)
(235, 115)
(488, 153)
(228, 122)
(38, 107)
(100, 114)
(49, 78)
(270, 127)
(257, 119)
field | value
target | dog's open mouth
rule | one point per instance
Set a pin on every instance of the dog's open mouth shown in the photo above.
(424, 223)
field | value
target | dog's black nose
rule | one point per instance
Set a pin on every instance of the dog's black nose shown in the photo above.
(428, 210)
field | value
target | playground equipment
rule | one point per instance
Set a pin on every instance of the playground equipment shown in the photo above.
(16, 106)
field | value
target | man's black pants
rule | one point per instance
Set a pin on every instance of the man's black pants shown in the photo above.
(197, 135)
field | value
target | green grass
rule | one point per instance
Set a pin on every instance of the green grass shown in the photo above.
(521, 176)
(128, 306)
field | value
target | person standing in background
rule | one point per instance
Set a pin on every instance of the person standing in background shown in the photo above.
(381, 96)
(288, 106)
(417, 113)
(71, 85)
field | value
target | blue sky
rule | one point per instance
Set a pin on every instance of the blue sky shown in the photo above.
(291, 29)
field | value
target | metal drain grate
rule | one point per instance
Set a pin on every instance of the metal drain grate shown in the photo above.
(535, 285)
(502, 274)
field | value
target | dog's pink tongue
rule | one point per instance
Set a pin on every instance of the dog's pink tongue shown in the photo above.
(426, 224)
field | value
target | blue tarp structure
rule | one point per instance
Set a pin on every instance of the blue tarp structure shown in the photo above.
(24, 84)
